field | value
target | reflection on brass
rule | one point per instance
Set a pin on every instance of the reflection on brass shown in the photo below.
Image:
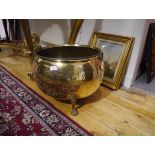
(75, 29)
(68, 72)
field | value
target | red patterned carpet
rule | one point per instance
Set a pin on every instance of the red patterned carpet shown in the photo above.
(25, 113)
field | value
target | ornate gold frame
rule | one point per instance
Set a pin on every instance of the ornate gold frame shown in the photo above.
(127, 43)
(76, 25)
(21, 47)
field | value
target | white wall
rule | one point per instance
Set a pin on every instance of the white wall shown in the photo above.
(114, 26)
(54, 31)
(139, 32)
(2, 32)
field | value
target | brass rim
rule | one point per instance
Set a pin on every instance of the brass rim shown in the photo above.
(81, 59)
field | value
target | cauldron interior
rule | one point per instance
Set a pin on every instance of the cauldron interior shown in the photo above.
(69, 52)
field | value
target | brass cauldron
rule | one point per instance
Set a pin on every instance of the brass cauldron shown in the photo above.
(68, 72)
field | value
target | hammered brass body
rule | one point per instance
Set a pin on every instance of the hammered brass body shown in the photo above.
(63, 72)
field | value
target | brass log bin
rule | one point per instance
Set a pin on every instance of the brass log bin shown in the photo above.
(68, 72)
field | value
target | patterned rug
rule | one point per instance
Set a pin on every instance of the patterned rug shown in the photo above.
(25, 113)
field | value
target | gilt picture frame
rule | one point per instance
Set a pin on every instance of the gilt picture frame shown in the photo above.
(117, 50)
